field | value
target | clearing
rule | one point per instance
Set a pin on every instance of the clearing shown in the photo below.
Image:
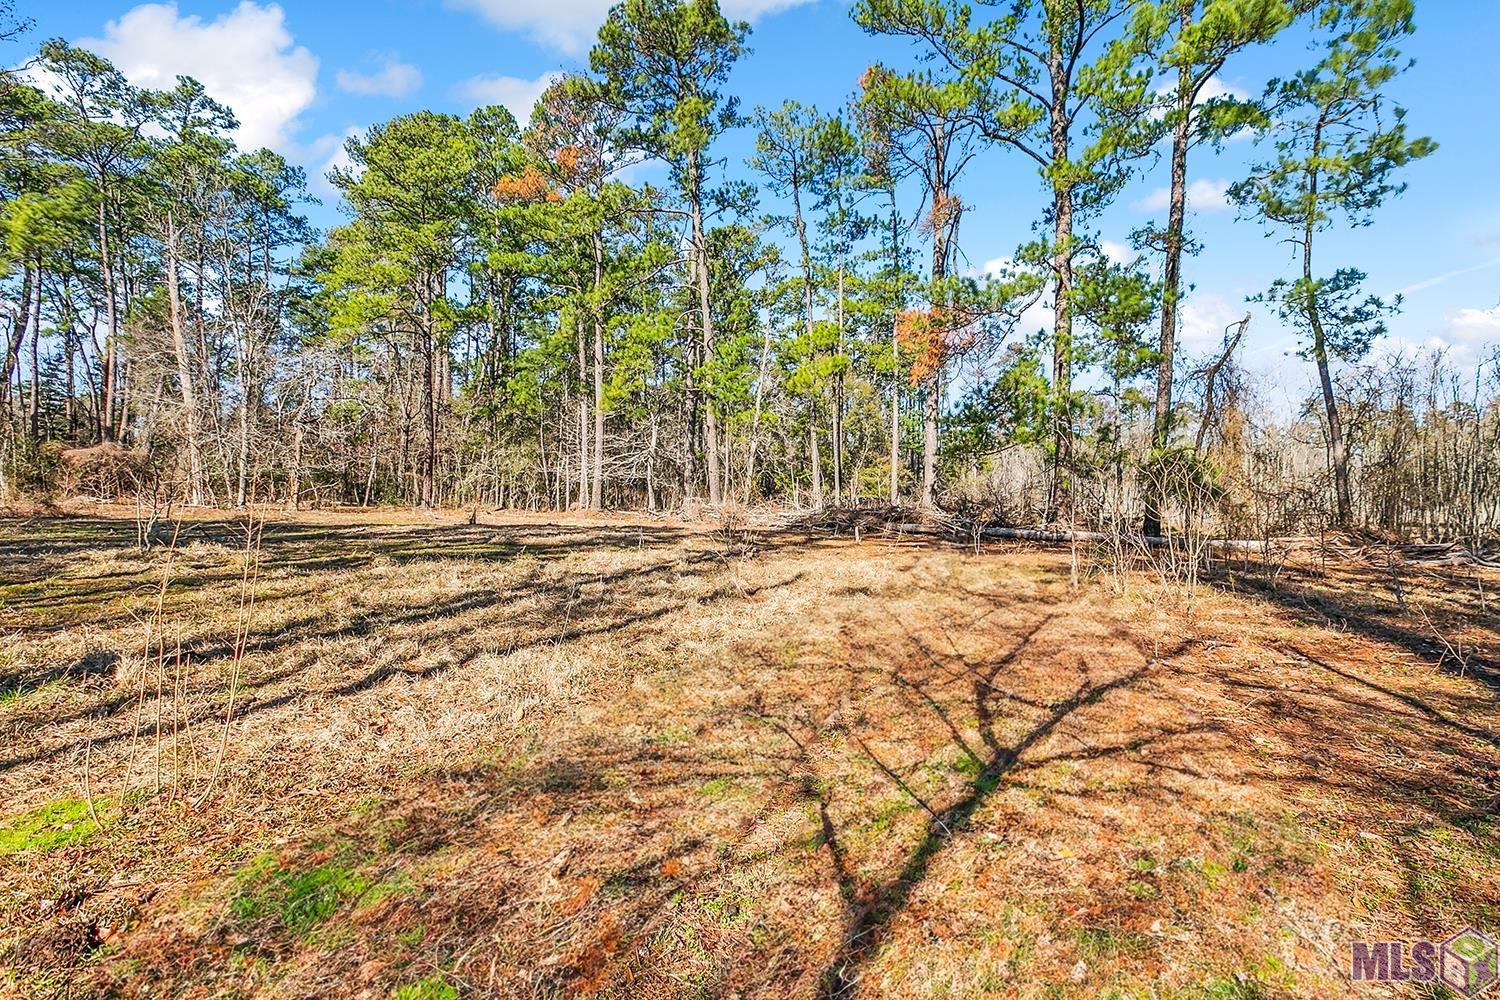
(544, 756)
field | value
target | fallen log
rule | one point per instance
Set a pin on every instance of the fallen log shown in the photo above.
(1066, 537)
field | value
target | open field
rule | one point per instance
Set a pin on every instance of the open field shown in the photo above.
(544, 756)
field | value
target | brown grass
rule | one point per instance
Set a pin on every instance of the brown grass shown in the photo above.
(546, 756)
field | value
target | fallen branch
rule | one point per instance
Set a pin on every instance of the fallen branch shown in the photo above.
(1068, 537)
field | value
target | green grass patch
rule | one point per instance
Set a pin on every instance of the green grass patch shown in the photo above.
(56, 824)
(1096, 943)
(296, 899)
(434, 987)
(887, 815)
(717, 788)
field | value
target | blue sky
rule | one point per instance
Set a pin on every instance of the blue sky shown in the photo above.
(301, 75)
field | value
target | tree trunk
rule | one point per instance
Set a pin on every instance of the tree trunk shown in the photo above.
(1062, 359)
(294, 485)
(1161, 425)
(70, 409)
(838, 402)
(242, 477)
(760, 385)
(596, 499)
(111, 330)
(429, 404)
(1062, 317)
(932, 389)
(18, 332)
(34, 404)
(816, 462)
(584, 457)
(651, 468)
(700, 247)
(895, 421)
(184, 368)
(1337, 456)
(931, 404)
(895, 351)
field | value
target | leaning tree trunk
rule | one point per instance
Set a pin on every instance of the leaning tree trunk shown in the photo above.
(1336, 453)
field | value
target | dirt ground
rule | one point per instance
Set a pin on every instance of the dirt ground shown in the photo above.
(558, 755)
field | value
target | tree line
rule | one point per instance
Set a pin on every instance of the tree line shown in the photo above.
(506, 319)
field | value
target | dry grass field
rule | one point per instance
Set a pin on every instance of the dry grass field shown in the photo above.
(556, 756)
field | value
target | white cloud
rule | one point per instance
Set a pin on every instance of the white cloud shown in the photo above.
(1214, 87)
(1203, 195)
(1202, 319)
(1037, 316)
(751, 10)
(1470, 333)
(245, 58)
(1485, 322)
(1468, 336)
(329, 151)
(394, 79)
(515, 93)
(1117, 253)
(569, 26)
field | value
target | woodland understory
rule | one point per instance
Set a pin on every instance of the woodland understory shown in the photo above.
(504, 323)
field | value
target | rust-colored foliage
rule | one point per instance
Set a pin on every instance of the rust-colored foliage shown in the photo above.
(945, 209)
(933, 335)
(918, 335)
(568, 135)
(530, 185)
(568, 159)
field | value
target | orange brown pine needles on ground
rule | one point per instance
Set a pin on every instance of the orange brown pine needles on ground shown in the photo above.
(557, 756)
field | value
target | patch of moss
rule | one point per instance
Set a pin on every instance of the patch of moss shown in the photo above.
(393, 885)
(434, 987)
(56, 824)
(729, 908)
(298, 900)
(717, 788)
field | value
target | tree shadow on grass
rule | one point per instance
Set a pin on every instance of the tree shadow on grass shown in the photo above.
(604, 611)
(1359, 613)
(871, 908)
